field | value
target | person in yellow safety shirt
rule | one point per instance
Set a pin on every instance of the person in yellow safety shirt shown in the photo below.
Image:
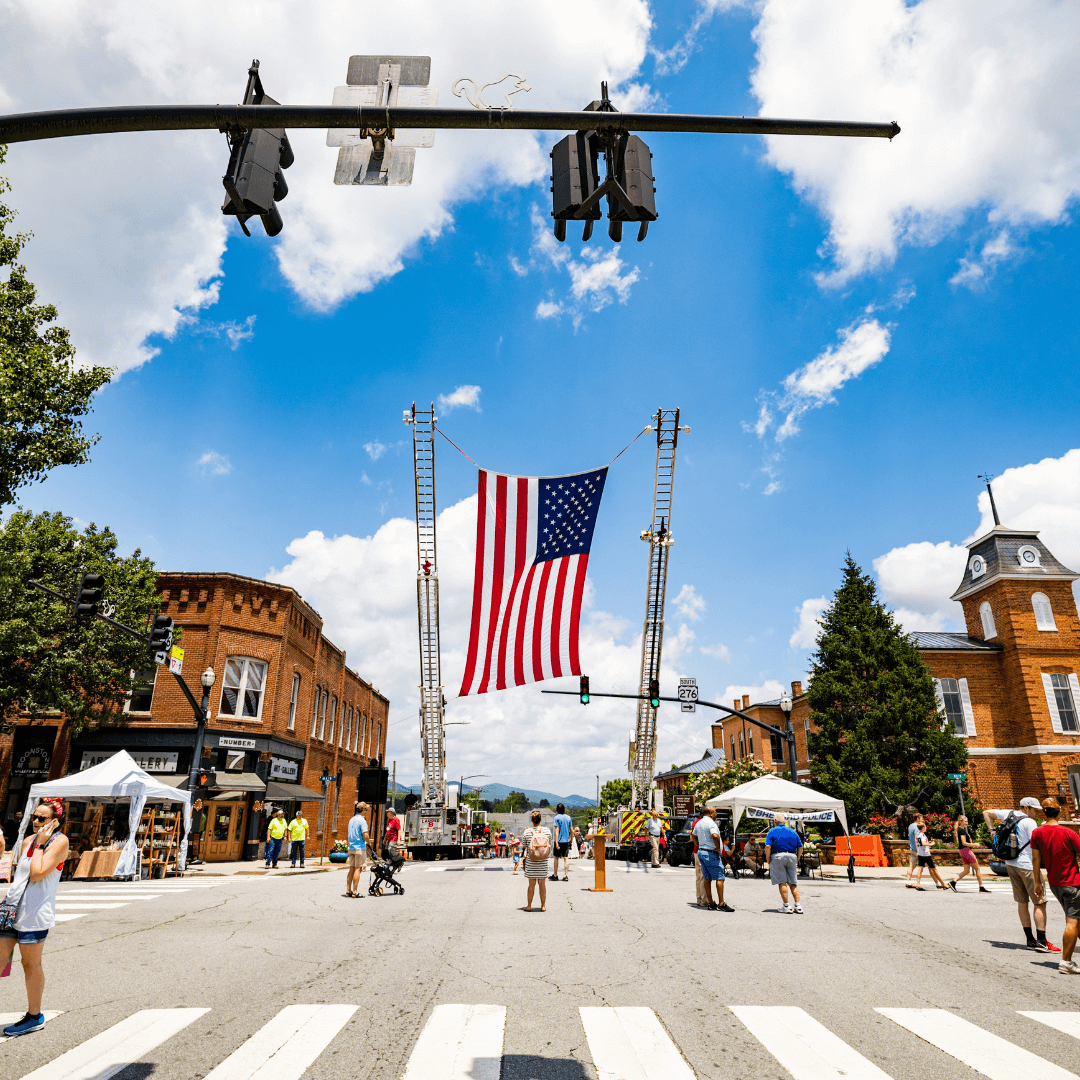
(275, 833)
(298, 828)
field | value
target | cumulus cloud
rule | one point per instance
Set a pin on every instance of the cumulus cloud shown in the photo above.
(214, 463)
(983, 93)
(809, 612)
(916, 581)
(375, 449)
(134, 250)
(463, 397)
(717, 652)
(688, 604)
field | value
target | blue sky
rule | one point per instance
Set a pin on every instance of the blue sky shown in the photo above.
(219, 453)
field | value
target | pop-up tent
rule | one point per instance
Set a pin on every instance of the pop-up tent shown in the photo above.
(776, 793)
(117, 777)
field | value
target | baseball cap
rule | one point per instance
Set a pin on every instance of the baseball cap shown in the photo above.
(1031, 802)
(1051, 803)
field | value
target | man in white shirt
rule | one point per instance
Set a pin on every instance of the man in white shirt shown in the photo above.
(655, 825)
(1021, 874)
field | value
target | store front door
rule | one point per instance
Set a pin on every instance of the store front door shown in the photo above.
(224, 839)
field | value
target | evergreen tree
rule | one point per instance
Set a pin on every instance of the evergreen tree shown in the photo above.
(878, 733)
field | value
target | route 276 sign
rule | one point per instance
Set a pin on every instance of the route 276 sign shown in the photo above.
(688, 695)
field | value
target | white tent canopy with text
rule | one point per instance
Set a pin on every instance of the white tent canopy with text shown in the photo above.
(117, 777)
(776, 793)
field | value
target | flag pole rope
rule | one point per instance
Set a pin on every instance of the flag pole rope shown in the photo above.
(455, 445)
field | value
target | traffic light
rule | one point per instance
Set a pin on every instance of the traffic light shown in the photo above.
(654, 693)
(161, 637)
(633, 170)
(574, 177)
(91, 590)
(257, 155)
(583, 689)
(203, 778)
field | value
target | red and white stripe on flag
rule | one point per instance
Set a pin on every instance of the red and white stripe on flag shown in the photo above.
(533, 536)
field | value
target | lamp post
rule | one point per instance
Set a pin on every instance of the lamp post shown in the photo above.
(326, 780)
(785, 708)
(207, 679)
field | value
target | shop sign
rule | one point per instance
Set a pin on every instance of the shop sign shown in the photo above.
(682, 805)
(236, 744)
(151, 761)
(33, 762)
(283, 769)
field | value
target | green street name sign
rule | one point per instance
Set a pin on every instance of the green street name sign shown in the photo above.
(958, 776)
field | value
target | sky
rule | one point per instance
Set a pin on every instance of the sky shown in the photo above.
(853, 329)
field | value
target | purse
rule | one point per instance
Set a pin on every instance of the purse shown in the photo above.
(7, 915)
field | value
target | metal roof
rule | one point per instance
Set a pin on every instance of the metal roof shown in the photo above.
(710, 761)
(999, 550)
(932, 639)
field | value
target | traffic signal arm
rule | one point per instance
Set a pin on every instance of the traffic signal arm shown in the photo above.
(28, 127)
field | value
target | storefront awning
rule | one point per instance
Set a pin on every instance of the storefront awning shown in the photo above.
(238, 781)
(281, 792)
(176, 780)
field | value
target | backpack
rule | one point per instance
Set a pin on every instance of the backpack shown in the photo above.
(539, 846)
(1005, 843)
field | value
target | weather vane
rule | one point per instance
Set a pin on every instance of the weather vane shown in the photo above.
(475, 96)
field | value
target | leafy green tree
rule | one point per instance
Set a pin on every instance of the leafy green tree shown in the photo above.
(877, 733)
(544, 802)
(708, 785)
(515, 802)
(49, 660)
(43, 393)
(616, 793)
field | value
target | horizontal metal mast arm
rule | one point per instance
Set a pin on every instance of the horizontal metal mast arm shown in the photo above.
(26, 127)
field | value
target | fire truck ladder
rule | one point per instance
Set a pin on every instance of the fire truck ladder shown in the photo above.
(432, 732)
(658, 536)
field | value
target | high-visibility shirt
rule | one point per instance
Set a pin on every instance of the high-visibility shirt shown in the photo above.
(298, 828)
(277, 828)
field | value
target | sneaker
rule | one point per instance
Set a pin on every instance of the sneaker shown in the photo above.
(952, 885)
(1038, 946)
(982, 888)
(1068, 967)
(725, 907)
(553, 877)
(798, 909)
(787, 909)
(27, 1024)
(1051, 947)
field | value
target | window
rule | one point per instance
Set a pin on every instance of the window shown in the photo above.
(322, 712)
(292, 700)
(806, 728)
(341, 735)
(378, 748)
(333, 717)
(142, 690)
(1066, 704)
(742, 746)
(351, 744)
(315, 713)
(777, 747)
(750, 741)
(242, 688)
(363, 736)
(954, 706)
(986, 613)
(733, 757)
(1044, 613)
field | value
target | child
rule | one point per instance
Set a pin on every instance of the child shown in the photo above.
(926, 860)
(515, 845)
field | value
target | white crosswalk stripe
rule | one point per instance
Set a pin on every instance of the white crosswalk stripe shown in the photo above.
(287, 1045)
(121, 1045)
(14, 1018)
(1067, 1022)
(983, 1051)
(459, 1042)
(67, 916)
(806, 1048)
(77, 899)
(629, 1043)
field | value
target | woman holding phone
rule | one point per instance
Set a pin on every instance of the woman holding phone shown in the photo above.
(28, 912)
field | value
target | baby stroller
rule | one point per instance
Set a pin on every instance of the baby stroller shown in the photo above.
(382, 873)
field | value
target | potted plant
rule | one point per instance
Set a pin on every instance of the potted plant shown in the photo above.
(340, 852)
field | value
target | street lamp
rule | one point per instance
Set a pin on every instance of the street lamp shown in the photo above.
(326, 780)
(461, 785)
(785, 708)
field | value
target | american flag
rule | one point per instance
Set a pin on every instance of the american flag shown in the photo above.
(532, 548)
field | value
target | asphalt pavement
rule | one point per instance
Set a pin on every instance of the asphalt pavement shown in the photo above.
(283, 976)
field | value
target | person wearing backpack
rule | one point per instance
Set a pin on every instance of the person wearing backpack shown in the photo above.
(1058, 849)
(1010, 832)
(536, 842)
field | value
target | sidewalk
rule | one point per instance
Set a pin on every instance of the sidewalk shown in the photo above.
(258, 868)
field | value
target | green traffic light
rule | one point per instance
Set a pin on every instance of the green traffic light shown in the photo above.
(584, 699)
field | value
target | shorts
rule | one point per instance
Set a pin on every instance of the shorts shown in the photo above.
(1023, 883)
(357, 860)
(928, 862)
(562, 850)
(517, 857)
(712, 868)
(1068, 896)
(968, 856)
(783, 869)
(26, 937)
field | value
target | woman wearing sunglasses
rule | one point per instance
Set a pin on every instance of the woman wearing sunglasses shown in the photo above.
(28, 912)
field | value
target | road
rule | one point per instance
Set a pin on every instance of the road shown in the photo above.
(665, 986)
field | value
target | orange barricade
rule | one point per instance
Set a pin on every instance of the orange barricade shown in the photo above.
(868, 851)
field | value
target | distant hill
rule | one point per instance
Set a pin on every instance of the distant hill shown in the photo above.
(495, 792)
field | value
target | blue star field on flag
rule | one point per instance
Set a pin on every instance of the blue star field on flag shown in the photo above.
(567, 513)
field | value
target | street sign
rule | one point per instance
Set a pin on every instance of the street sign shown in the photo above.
(688, 695)
(961, 776)
(682, 805)
(176, 660)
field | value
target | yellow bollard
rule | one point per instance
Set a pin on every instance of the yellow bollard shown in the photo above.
(599, 861)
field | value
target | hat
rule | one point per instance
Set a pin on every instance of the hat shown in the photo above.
(1031, 802)
(1050, 803)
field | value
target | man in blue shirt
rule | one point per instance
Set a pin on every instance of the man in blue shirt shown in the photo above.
(563, 824)
(357, 843)
(782, 850)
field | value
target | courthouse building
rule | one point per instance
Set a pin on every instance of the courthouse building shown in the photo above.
(285, 710)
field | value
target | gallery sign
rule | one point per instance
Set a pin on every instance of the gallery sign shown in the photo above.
(284, 769)
(151, 761)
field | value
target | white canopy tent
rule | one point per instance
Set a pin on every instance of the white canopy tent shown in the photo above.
(776, 793)
(117, 777)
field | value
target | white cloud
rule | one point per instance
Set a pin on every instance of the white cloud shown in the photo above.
(234, 332)
(375, 449)
(688, 604)
(916, 581)
(215, 463)
(768, 690)
(718, 652)
(463, 397)
(809, 612)
(983, 93)
(974, 273)
(136, 246)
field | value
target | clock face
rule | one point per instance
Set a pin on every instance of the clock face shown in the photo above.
(976, 566)
(1029, 556)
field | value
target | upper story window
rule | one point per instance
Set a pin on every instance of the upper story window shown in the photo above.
(293, 697)
(733, 758)
(346, 732)
(1044, 613)
(986, 613)
(1061, 695)
(954, 705)
(242, 687)
(333, 717)
(322, 712)
(750, 742)
(315, 712)
(378, 744)
(142, 691)
(777, 747)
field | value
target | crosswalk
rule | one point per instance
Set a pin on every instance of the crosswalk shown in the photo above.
(75, 900)
(466, 1042)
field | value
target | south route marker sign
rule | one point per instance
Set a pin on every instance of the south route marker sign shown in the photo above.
(688, 695)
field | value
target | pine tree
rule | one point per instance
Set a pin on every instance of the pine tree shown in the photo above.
(878, 733)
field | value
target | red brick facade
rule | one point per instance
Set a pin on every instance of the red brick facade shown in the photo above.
(748, 740)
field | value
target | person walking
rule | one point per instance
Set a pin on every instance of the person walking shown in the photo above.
(962, 838)
(912, 838)
(536, 841)
(393, 831)
(1058, 849)
(655, 826)
(28, 912)
(782, 850)
(513, 845)
(357, 849)
(709, 847)
(1022, 825)
(275, 833)
(563, 824)
(926, 861)
(298, 830)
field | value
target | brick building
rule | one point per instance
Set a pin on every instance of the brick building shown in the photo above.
(284, 709)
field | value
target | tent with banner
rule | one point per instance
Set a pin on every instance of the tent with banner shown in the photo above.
(766, 795)
(117, 777)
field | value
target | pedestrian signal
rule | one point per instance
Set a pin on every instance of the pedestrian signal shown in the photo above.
(91, 590)
(583, 689)
(654, 693)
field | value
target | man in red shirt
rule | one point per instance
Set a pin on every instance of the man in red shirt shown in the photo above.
(1058, 849)
(393, 830)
